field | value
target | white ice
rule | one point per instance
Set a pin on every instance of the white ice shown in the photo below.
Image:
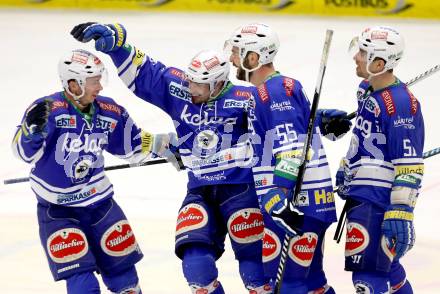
(32, 42)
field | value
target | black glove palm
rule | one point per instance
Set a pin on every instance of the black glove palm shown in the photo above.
(35, 122)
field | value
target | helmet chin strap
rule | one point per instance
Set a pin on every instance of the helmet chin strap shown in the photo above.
(212, 90)
(370, 74)
(249, 70)
(76, 97)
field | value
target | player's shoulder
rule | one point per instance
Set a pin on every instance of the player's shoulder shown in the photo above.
(175, 74)
(109, 106)
(241, 92)
(57, 101)
(398, 100)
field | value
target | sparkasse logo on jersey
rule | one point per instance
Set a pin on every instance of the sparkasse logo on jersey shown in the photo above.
(65, 121)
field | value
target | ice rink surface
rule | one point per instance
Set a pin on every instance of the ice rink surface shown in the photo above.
(32, 42)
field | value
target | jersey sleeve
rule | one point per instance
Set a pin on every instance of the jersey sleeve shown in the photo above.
(405, 141)
(127, 141)
(149, 79)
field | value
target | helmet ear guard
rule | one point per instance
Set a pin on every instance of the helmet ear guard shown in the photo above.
(78, 65)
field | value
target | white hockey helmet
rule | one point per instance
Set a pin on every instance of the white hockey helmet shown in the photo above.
(208, 67)
(79, 65)
(381, 42)
(258, 38)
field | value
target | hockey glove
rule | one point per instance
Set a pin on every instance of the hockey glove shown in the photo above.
(108, 37)
(398, 229)
(283, 212)
(342, 178)
(34, 126)
(333, 123)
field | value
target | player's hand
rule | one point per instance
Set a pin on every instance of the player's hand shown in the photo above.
(108, 37)
(342, 178)
(333, 123)
(165, 146)
(35, 123)
(283, 212)
(398, 229)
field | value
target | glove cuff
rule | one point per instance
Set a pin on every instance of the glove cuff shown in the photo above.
(399, 214)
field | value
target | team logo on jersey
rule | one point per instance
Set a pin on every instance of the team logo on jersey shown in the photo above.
(361, 94)
(119, 239)
(65, 121)
(357, 239)
(106, 123)
(303, 199)
(191, 217)
(373, 106)
(384, 245)
(206, 140)
(271, 245)
(363, 287)
(67, 245)
(179, 91)
(246, 225)
(302, 248)
(81, 167)
(389, 103)
(231, 103)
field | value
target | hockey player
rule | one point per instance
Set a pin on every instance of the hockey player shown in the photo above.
(210, 119)
(279, 115)
(382, 171)
(63, 136)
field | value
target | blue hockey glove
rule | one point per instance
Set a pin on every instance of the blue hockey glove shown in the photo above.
(398, 229)
(342, 178)
(333, 123)
(283, 212)
(34, 126)
(108, 37)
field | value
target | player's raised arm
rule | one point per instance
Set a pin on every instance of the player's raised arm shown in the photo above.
(148, 79)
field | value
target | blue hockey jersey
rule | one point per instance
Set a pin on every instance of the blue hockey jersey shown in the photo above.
(68, 165)
(386, 148)
(278, 118)
(213, 139)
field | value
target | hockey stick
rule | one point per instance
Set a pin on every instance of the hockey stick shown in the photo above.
(112, 167)
(415, 80)
(305, 150)
(341, 223)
